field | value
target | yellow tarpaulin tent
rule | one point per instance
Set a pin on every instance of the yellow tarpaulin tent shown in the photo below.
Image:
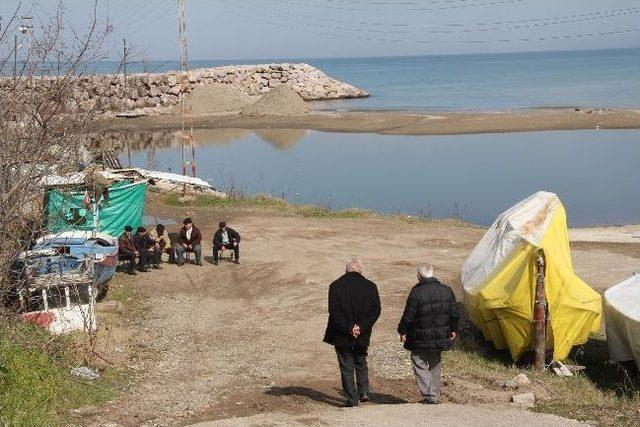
(499, 280)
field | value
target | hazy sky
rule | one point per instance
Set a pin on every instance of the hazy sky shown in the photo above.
(243, 29)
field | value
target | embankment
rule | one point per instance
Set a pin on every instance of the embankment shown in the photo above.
(152, 93)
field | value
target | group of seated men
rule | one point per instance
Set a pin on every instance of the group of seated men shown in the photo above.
(144, 249)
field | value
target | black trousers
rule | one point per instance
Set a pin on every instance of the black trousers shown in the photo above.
(353, 360)
(131, 257)
(216, 248)
(149, 258)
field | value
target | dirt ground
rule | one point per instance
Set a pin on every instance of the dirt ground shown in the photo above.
(400, 123)
(216, 342)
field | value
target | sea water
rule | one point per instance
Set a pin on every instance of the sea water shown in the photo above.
(587, 78)
(595, 173)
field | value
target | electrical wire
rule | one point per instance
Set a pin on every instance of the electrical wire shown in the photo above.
(533, 22)
(482, 26)
(358, 35)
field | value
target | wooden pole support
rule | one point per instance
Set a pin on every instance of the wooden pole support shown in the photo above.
(540, 314)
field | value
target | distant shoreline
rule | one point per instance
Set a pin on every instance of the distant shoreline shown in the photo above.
(400, 122)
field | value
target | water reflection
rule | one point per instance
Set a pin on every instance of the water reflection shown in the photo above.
(282, 139)
(149, 142)
(595, 173)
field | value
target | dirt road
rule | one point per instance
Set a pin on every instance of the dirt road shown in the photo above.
(217, 342)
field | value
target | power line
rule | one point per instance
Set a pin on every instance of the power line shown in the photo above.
(533, 22)
(483, 26)
(358, 35)
(451, 4)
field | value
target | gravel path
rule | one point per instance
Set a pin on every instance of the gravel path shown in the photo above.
(444, 415)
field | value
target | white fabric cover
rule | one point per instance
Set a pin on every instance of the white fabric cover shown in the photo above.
(526, 221)
(622, 313)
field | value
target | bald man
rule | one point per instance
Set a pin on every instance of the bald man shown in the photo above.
(428, 327)
(354, 307)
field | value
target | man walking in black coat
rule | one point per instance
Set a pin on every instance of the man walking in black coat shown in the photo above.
(428, 326)
(226, 238)
(354, 307)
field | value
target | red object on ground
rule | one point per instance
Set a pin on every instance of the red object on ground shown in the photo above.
(41, 319)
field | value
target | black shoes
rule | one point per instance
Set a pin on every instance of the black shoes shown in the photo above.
(215, 262)
(364, 398)
(430, 401)
(132, 272)
(349, 405)
(237, 261)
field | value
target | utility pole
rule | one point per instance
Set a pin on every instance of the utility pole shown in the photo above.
(15, 56)
(540, 315)
(25, 28)
(124, 62)
(184, 68)
(182, 41)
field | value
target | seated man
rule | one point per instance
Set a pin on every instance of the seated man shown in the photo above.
(161, 237)
(148, 249)
(127, 249)
(226, 238)
(189, 240)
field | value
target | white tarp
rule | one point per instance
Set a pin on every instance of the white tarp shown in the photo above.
(77, 178)
(526, 221)
(173, 177)
(622, 313)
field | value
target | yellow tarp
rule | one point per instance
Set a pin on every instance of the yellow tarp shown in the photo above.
(502, 306)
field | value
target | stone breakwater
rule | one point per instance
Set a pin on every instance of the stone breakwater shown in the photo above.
(153, 93)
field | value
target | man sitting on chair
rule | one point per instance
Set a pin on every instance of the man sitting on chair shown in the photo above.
(226, 238)
(189, 241)
(127, 250)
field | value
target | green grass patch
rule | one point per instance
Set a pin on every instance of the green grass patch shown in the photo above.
(314, 211)
(204, 201)
(36, 386)
(265, 202)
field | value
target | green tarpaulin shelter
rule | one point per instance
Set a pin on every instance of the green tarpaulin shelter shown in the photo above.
(124, 205)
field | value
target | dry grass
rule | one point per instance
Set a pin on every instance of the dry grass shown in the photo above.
(605, 393)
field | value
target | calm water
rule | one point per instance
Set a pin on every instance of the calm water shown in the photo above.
(596, 78)
(595, 173)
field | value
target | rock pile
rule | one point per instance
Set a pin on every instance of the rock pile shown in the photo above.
(155, 93)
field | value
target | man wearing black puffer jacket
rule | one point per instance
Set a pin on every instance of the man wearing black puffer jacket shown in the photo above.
(429, 325)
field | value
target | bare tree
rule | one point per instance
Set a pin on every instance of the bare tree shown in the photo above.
(40, 130)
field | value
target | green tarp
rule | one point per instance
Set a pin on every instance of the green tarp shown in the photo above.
(124, 206)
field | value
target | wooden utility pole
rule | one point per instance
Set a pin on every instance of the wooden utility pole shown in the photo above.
(540, 314)
(184, 68)
(182, 41)
(124, 62)
(15, 56)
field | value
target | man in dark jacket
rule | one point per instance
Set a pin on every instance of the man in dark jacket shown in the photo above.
(127, 250)
(354, 307)
(226, 238)
(189, 240)
(148, 249)
(428, 326)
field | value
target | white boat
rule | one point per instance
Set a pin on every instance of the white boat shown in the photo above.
(66, 250)
(61, 302)
(622, 314)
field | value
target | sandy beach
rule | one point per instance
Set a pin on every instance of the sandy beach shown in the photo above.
(398, 123)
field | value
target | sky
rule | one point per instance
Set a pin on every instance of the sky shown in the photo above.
(264, 29)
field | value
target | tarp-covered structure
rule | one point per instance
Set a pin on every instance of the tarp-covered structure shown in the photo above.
(499, 280)
(622, 312)
(72, 207)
